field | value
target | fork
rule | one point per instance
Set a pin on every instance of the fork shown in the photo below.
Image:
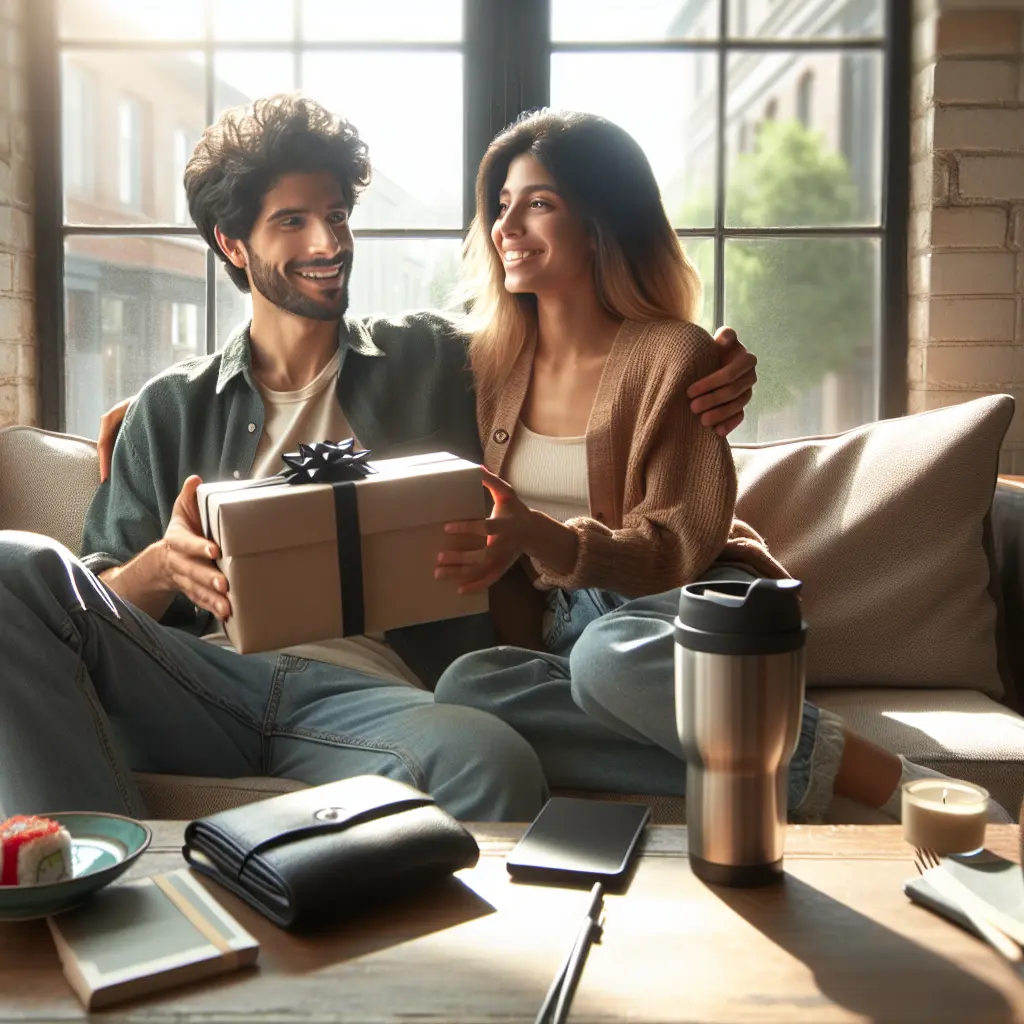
(929, 866)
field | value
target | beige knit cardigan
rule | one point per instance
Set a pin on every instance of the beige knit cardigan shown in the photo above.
(662, 487)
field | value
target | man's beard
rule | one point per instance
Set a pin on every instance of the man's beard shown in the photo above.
(275, 287)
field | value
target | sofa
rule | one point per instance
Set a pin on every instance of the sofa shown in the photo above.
(912, 560)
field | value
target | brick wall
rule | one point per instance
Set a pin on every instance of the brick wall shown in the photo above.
(967, 199)
(17, 318)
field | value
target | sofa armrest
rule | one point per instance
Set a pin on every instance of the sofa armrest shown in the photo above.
(1007, 538)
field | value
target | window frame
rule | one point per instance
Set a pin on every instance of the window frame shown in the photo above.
(506, 50)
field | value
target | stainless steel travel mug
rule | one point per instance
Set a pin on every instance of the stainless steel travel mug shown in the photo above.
(739, 682)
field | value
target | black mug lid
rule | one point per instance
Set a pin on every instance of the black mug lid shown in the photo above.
(762, 608)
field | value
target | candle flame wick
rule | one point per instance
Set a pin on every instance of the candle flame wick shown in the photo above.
(944, 792)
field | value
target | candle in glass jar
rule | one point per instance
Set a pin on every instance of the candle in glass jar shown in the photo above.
(945, 815)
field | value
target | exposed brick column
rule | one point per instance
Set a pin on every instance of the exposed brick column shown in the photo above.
(17, 320)
(966, 235)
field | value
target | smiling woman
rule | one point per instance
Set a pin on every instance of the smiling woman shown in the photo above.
(575, 194)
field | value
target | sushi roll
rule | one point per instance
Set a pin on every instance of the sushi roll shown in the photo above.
(34, 851)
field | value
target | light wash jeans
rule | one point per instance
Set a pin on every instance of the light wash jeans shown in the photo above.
(91, 688)
(599, 706)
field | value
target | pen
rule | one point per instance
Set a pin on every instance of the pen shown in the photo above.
(568, 975)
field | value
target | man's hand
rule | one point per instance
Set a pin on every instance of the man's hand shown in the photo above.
(189, 557)
(110, 424)
(182, 561)
(719, 398)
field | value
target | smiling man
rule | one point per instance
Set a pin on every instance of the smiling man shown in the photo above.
(113, 663)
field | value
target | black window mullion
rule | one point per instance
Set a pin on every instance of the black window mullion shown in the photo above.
(211, 260)
(506, 70)
(894, 328)
(718, 306)
(44, 99)
(483, 85)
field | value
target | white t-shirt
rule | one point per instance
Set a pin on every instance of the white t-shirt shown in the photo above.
(549, 473)
(313, 414)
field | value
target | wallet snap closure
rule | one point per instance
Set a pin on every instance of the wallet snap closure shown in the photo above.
(331, 813)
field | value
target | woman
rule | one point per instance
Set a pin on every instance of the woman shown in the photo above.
(583, 348)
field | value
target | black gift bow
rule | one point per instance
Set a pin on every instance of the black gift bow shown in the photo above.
(326, 462)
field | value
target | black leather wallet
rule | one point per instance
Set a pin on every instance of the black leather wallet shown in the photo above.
(303, 858)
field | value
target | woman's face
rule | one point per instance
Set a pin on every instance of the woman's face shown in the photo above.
(544, 245)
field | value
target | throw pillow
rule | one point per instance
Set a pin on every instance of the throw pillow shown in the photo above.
(884, 524)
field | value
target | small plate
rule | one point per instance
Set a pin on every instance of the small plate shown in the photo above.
(102, 847)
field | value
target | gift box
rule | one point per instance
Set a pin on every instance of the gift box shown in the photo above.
(339, 546)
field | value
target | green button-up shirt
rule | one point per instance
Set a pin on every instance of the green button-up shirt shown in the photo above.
(404, 387)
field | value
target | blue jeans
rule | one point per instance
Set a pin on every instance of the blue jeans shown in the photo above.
(599, 705)
(91, 689)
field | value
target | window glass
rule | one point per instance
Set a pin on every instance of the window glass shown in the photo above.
(806, 19)
(677, 134)
(354, 21)
(133, 307)
(809, 309)
(131, 20)
(414, 134)
(815, 121)
(125, 117)
(646, 20)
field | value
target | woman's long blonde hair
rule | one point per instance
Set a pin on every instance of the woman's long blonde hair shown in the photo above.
(640, 269)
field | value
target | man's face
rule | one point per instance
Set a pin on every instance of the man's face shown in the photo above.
(299, 255)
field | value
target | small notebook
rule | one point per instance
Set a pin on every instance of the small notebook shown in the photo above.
(146, 935)
(997, 881)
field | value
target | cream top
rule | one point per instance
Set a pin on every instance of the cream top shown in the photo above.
(549, 473)
(310, 414)
(313, 414)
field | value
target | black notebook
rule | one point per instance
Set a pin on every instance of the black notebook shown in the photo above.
(999, 882)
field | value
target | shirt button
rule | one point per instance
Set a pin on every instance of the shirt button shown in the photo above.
(501, 436)
(252, 428)
(236, 474)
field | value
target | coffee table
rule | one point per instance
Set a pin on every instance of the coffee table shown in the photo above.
(837, 942)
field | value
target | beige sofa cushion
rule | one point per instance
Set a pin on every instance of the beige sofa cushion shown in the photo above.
(48, 482)
(884, 525)
(962, 733)
(184, 797)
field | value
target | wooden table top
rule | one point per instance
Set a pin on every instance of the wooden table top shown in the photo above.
(838, 941)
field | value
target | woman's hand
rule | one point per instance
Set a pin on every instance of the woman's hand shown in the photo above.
(481, 551)
(719, 398)
(110, 424)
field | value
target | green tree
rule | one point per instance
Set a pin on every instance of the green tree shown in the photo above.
(805, 305)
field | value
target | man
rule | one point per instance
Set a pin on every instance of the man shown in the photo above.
(106, 669)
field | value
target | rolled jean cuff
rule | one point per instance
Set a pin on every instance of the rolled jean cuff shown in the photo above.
(813, 770)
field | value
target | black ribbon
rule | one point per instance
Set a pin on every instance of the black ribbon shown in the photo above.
(339, 464)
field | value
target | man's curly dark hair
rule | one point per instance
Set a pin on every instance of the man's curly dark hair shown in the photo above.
(238, 160)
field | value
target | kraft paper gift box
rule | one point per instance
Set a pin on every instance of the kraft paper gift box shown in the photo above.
(314, 561)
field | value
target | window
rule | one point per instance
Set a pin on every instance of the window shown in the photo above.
(78, 131)
(774, 179)
(732, 100)
(129, 153)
